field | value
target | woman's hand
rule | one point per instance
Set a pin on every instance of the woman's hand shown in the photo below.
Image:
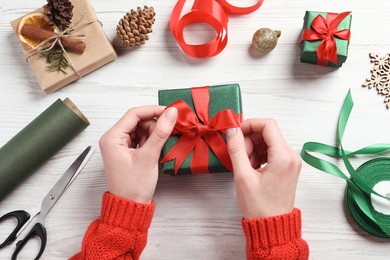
(265, 167)
(131, 150)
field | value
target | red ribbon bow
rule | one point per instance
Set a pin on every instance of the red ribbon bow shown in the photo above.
(212, 12)
(198, 132)
(326, 30)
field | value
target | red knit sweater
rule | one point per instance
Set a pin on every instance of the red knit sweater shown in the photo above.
(122, 230)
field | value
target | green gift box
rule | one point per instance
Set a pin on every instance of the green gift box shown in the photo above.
(309, 48)
(222, 97)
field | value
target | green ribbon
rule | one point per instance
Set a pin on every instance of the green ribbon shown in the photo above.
(361, 181)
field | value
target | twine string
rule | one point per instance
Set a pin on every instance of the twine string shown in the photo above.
(57, 39)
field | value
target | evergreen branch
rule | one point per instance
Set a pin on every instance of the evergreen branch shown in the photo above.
(55, 59)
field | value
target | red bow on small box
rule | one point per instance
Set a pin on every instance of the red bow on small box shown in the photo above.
(211, 12)
(199, 133)
(326, 30)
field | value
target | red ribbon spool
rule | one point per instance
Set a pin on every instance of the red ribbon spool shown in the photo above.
(326, 31)
(199, 133)
(212, 12)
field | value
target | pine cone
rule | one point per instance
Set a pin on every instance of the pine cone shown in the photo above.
(133, 28)
(60, 12)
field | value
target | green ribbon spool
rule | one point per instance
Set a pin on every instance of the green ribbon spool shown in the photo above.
(38, 142)
(361, 181)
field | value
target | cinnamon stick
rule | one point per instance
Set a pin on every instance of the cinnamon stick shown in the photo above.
(39, 34)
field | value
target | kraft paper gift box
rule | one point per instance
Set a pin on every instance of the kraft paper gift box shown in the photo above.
(222, 97)
(98, 52)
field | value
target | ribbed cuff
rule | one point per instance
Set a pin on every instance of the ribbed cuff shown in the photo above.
(269, 232)
(126, 214)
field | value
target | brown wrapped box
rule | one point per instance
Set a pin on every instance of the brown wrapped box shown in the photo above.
(98, 52)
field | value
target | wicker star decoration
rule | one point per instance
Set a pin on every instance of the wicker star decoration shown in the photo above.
(380, 76)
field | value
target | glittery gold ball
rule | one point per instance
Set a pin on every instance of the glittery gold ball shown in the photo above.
(264, 40)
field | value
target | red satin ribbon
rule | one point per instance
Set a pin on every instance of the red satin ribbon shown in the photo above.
(212, 12)
(326, 30)
(199, 133)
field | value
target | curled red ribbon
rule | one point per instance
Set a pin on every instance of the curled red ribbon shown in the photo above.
(212, 12)
(198, 132)
(326, 30)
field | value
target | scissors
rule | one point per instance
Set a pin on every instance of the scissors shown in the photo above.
(23, 217)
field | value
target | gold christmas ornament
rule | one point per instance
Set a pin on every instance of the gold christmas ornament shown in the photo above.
(134, 27)
(264, 40)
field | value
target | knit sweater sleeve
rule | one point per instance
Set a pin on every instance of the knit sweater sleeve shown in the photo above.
(120, 232)
(278, 237)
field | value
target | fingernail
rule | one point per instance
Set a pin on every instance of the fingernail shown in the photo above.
(231, 131)
(171, 114)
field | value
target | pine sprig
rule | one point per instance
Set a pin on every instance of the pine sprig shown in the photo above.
(56, 60)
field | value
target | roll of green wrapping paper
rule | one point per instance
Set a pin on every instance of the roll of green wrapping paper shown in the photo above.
(37, 142)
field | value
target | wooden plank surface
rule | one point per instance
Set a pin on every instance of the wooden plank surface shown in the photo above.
(197, 217)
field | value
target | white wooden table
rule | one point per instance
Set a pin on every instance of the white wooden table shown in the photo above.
(197, 217)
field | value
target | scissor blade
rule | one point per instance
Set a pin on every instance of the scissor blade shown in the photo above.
(61, 185)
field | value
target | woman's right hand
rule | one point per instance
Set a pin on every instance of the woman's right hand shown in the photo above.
(266, 168)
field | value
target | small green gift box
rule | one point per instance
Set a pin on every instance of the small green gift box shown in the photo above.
(325, 38)
(198, 143)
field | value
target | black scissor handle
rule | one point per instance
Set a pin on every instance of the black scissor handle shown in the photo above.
(38, 230)
(22, 217)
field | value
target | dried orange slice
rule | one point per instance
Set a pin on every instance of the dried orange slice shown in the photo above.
(39, 20)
